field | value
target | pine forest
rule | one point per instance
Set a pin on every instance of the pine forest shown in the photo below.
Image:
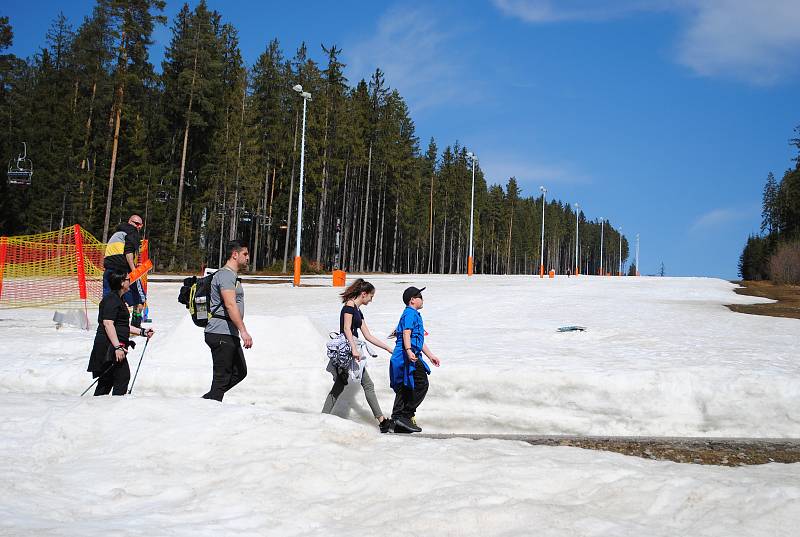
(208, 149)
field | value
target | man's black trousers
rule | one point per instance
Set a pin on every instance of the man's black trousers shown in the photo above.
(229, 365)
(406, 400)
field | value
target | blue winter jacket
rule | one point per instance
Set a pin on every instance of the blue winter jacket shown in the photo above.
(401, 369)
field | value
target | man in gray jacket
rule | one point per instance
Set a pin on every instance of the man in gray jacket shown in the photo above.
(226, 325)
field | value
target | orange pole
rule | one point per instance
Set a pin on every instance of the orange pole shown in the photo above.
(3, 250)
(81, 266)
(297, 271)
(469, 266)
(144, 258)
(81, 271)
(541, 271)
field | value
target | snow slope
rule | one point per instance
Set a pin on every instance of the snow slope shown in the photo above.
(661, 356)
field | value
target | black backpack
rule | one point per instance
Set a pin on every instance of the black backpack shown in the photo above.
(195, 294)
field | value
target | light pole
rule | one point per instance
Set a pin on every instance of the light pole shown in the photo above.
(602, 222)
(577, 261)
(637, 254)
(620, 250)
(472, 157)
(541, 261)
(306, 97)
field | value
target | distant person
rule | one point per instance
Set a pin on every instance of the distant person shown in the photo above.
(360, 293)
(408, 372)
(224, 328)
(109, 352)
(121, 250)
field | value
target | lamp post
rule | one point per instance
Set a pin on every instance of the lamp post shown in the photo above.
(541, 261)
(602, 222)
(577, 261)
(637, 254)
(306, 97)
(472, 157)
(620, 251)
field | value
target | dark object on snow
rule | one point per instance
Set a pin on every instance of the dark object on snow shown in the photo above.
(572, 328)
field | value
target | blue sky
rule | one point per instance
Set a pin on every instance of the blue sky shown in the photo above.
(663, 116)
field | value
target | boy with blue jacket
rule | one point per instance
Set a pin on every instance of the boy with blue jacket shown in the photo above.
(408, 373)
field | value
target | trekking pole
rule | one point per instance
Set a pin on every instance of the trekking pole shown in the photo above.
(138, 366)
(97, 379)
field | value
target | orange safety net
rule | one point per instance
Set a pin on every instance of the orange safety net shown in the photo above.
(63, 267)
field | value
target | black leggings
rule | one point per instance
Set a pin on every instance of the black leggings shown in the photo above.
(117, 378)
(229, 365)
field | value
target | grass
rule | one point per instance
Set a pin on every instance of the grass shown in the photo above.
(787, 297)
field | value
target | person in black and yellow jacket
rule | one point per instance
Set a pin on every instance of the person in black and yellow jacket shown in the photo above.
(121, 250)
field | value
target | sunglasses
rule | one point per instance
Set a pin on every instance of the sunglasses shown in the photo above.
(138, 224)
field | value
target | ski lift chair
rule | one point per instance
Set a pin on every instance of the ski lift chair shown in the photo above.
(162, 196)
(20, 169)
(246, 217)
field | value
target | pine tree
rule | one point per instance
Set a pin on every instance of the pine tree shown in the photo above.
(131, 28)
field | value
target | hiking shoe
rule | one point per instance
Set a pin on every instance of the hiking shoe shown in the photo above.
(386, 425)
(414, 421)
(405, 424)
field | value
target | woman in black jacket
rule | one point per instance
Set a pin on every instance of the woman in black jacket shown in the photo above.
(108, 359)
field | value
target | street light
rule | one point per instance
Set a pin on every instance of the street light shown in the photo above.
(620, 250)
(602, 222)
(306, 97)
(541, 261)
(577, 262)
(472, 157)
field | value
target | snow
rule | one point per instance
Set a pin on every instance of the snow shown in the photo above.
(661, 356)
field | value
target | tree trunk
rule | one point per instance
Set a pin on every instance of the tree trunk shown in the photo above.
(324, 194)
(444, 238)
(259, 219)
(430, 231)
(268, 253)
(366, 210)
(345, 206)
(291, 193)
(235, 217)
(117, 118)
(510, 228)
(378, 227)
(185, 142)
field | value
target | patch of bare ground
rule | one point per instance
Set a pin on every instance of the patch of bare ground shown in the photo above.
(787, 297)
(709, 451)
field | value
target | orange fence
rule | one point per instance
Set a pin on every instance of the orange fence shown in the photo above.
(63, 267)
